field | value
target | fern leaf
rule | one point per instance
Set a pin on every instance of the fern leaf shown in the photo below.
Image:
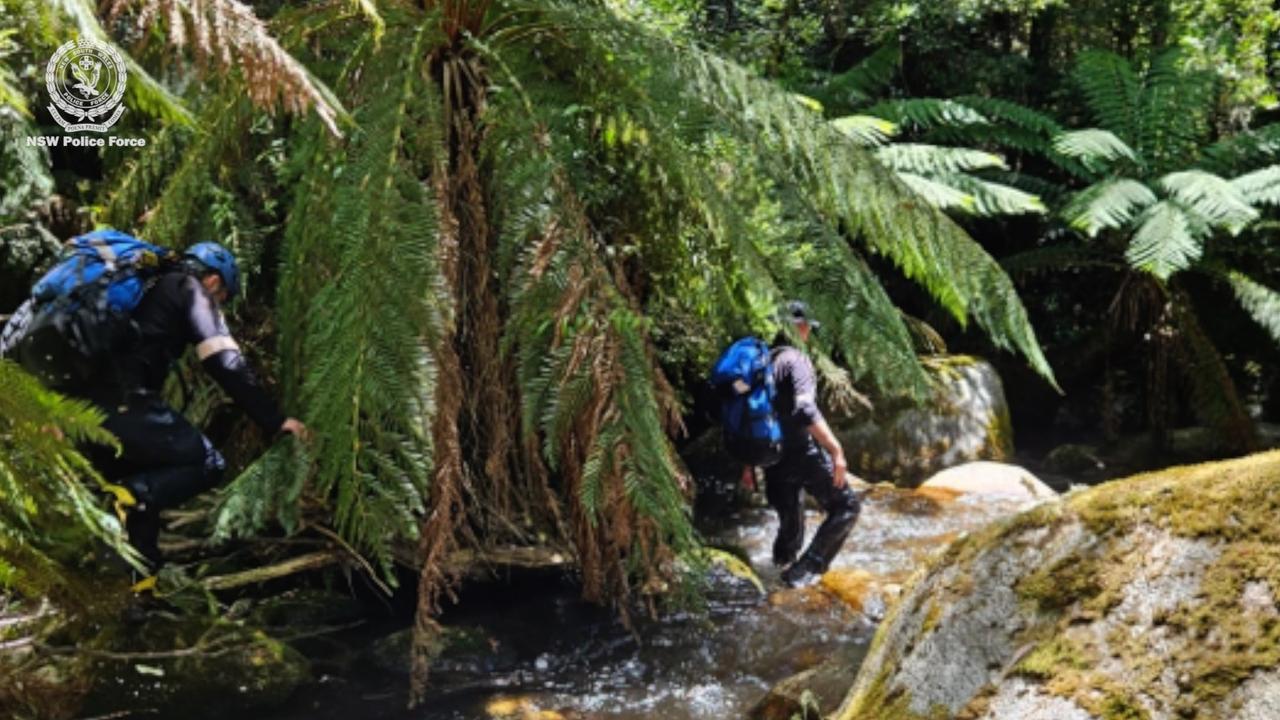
(927, 113)
(1167, 240)
(1211, 197)
(1261, 302)
(1260, 187)
(1093, 147)
(993, 198)
(939, 194)
(933, 159)
(1108, 204)
(1111, 89)
(865, 130)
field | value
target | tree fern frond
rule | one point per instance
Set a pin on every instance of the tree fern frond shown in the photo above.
(1260, 187)
(993, 198)
(865, 80)
(1213, 198)
(927, 113)
(866, 130)
(1107, 204)
(1167, 240)
(1173, 108)
(228, 34)
(1112, 91)
(1261, 302)
(939, 194)
(1094, 147)
(934, 159)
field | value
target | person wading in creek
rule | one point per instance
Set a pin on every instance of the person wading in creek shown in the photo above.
(812, 461)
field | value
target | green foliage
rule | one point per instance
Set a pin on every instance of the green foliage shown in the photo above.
(50, 514)
(1146, 185)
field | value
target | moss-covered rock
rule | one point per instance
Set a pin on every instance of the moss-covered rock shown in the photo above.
(1145, 598)
(965, 419)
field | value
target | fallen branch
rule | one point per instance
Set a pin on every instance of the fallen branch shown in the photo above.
(301, 563)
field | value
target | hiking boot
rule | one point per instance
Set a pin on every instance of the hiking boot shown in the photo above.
(801, 574)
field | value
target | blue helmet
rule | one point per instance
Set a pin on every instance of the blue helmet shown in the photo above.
(219, 259)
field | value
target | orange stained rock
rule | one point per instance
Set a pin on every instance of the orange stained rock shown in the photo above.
(939, 494)
(851, 586)
(520, 709)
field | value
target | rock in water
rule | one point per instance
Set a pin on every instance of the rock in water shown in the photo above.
(991, 478)
(966, 418)
(1152, 597)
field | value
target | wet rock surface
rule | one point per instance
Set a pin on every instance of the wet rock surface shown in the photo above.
(1150, 597)
(966, 418)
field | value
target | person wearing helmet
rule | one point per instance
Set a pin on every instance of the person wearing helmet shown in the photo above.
(812, 461)
(165, 460)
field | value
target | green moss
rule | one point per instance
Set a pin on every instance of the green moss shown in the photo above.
(1121, 707)
(1220, 642)
(1051, 658)
(932, 617)
(1063, 583)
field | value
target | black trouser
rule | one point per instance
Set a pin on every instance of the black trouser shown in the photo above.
(811, 471)
(165, 461)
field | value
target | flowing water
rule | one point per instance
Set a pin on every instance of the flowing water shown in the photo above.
(533, 650)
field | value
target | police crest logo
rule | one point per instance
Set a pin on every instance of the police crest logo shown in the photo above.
(86, 81)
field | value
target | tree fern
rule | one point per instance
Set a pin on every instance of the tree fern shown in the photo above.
(50, 513)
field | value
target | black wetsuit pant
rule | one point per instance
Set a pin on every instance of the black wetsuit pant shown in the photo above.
(165, 462)
(811, 471)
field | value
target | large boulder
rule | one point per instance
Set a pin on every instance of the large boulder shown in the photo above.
(1151, 597)
(966, 418)
(991, 478)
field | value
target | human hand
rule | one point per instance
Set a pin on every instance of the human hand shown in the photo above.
(294, 427)
(840, 472)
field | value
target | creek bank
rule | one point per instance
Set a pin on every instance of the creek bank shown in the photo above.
(1152, 598)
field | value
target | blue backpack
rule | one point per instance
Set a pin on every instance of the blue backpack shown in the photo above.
(81, 308)
(743, 379)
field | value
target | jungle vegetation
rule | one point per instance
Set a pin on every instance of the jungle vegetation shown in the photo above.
(492, 245)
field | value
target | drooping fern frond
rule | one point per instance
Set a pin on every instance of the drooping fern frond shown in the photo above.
(938, 194)
(1108, 204)
(1261, 302)
(1210, 197)
(927, 113)
(995, 198)
(227, 34)
(1260, 187)
(1094, 147)
(1168, 239)
(866, 130)
(935, 159)
(863, 82)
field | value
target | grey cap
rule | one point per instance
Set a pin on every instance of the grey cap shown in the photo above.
(797, 311)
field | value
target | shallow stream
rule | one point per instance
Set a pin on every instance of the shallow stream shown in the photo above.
(533, 650)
